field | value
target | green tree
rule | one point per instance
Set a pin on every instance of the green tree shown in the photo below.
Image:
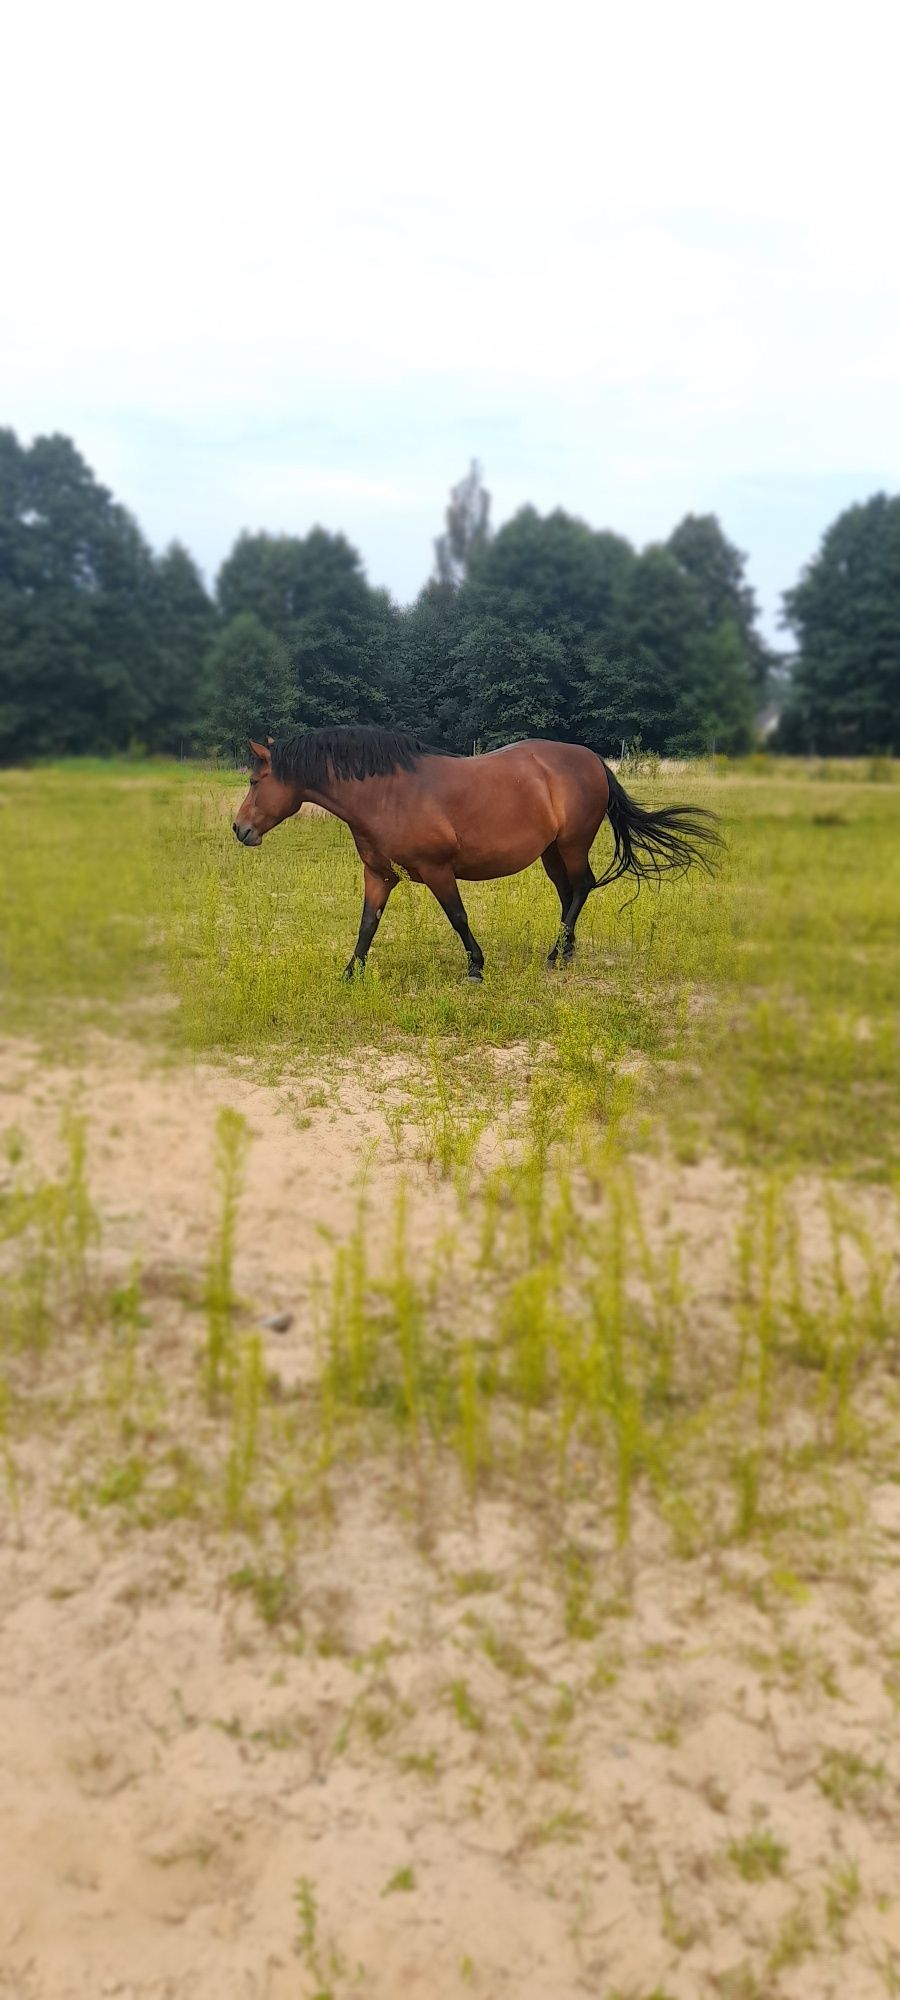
(16, 599)
(184, 625)
(432, 695)
(342, 668)
(616, 701)
(718, 571)
(467, 531)
(571, 576)
(285, 578)
(339, 636)
(715, 710)
(656, 639)
(515, 676)
(78, 648)
(554, 586)
(845, 694)
(248, 686)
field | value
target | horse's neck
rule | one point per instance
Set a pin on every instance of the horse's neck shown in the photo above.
(332, 799)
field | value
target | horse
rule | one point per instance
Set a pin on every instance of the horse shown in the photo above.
(445, 819)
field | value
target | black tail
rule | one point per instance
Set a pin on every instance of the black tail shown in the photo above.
(648, 844)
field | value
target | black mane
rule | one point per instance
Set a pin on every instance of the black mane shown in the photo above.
(354, 752)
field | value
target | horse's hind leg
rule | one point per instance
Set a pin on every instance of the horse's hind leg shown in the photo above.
(379, 884)
(575, 857)
(554, 867)
(443, 884)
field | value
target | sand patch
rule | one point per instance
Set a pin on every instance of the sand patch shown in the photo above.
(474, 1749)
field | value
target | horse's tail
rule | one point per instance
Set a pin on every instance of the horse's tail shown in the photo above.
(648, 844)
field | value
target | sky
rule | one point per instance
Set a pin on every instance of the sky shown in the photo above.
(272, 265)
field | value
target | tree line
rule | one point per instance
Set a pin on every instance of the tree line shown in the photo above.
(545, 627)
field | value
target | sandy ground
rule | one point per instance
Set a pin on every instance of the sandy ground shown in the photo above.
(428, 1777)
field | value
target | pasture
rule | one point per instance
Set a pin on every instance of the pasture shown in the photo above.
(448, 1433)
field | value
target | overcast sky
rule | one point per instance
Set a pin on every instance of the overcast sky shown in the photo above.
(270, 265)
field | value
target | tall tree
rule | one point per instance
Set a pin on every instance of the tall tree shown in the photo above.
(516, 677)
(845, 695)
(184, 624)
(718, 571)
(16, 596)
(284, 578)
(343, 668)
(467, 531)
(571, 575)
(715, 709)
(616, 701)
(338, 634)
(432, 685)
(77, 604)
(656, 635)
(248, 686)
(555, 586)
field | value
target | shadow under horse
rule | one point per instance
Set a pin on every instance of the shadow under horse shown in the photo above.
(444, 819)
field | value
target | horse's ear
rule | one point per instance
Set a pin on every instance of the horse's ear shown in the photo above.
(259, 751)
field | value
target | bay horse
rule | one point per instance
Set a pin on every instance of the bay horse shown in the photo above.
(444, 819)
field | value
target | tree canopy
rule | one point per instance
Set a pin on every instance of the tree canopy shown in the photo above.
(336, 635)
(547, 626)
(716, 568)
(79, 648)
(845, 610)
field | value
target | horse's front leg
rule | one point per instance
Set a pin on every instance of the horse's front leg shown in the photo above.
(379, 883)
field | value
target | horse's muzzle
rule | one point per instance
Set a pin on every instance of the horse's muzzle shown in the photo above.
(247, 835)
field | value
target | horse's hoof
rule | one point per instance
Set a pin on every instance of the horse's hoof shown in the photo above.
(475, 974)
(348, 972)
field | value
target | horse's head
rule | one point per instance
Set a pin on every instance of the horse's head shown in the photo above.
(268, 800)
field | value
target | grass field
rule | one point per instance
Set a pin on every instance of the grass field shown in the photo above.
(450, 1433)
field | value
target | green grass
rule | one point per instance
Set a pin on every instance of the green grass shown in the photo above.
(762, 1003)
(569, 1352)
(402, 1882)
(759, 1854)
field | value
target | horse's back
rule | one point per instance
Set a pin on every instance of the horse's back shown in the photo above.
(574, 775)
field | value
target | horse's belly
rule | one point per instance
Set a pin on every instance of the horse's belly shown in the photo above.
(473, 864)
(512, 826)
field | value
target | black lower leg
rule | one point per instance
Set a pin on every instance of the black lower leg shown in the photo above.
(580, 894)
(454, 908)
(554, 867)
(371, 918)
(378, 888)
